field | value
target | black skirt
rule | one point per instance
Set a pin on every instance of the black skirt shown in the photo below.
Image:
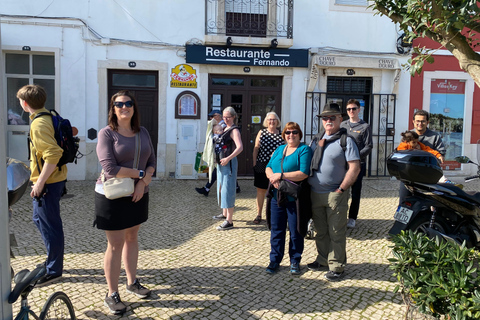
(121, 213)
(260, 180)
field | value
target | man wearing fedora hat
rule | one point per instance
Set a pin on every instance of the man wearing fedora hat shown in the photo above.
(216, 115)
(333, 170)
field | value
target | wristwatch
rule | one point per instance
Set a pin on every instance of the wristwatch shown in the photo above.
(339, 188)
(141, 175)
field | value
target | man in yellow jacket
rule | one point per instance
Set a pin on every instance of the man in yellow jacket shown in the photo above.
(48, 179)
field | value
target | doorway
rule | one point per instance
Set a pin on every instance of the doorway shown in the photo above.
(252, 97)
(143, 85)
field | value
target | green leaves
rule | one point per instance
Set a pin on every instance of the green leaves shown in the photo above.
(439, 277)
(454, 24)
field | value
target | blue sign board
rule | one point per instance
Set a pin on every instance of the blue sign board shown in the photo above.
(245, 56)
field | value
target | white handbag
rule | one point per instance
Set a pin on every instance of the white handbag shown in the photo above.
(115, 188)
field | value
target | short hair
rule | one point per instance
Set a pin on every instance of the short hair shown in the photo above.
(217, 126)
(421, 113)
(112, 117)
(265, 121)
(233, 114)
(353, 101)
(293, 126)
(34, 95)
(409, 136)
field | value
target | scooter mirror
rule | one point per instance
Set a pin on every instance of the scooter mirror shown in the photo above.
(463, 159)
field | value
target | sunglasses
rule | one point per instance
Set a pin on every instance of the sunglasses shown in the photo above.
(291, 132)
(352, 109)
(331, 118)
(120, 104)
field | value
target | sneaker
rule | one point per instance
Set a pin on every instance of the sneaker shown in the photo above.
(114, 303)
(315, 266)
(219, 217)
(48, 279)
(272, 268)
(334, 276)
(137, 289)
(351, 223)
(295, 268)
(203, 191)
(225, 226)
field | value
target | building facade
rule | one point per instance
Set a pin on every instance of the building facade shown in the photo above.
(184, 58)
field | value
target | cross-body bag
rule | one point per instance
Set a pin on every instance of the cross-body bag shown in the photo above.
(286, 186)
(115, 188)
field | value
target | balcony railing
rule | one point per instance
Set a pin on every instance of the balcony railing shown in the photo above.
(250, 18)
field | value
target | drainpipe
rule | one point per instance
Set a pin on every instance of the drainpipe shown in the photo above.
(5, 280)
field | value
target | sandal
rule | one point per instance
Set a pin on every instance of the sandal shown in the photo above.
(257, 220)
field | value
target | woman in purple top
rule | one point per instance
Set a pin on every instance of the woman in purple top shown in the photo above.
(121, 218)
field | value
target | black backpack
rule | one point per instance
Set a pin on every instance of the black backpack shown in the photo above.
(64, 137)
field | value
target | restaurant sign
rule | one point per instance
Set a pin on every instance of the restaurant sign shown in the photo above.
(183, 76)
(245, 56)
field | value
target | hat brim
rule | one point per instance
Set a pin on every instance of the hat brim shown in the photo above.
(329, 113)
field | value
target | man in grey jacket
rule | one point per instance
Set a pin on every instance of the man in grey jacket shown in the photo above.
(362, 133)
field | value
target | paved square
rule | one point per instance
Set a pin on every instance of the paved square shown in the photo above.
(197, 272)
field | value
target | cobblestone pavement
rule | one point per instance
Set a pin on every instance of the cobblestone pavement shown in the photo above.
(197, 272)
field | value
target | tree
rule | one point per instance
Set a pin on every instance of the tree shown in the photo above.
(455, 24)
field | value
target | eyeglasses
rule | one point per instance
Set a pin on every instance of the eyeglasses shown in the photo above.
(291, 132)
(224, 117)
(331, 118)
(272, 119)
(120, 104)
(352, 109)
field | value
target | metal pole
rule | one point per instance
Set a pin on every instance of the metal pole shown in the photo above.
(5, 280)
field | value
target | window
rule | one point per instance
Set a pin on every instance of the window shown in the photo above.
(252, 18)
(28, 68)
(246, 18)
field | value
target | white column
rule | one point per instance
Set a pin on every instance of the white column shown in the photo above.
(5, 280)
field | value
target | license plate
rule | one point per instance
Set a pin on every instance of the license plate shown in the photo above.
(403, 215)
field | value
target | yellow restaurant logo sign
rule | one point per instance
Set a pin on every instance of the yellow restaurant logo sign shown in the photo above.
(183, 76)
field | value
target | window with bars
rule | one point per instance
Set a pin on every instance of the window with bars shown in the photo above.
(349, 85)
(246, 18)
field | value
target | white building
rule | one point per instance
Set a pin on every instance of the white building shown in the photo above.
(84, 51)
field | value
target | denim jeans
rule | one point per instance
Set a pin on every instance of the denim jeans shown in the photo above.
(46, 216)
(279, 218)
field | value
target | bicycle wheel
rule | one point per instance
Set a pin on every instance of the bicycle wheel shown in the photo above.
(58, 306)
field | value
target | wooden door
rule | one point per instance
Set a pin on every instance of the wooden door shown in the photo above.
(143, 85)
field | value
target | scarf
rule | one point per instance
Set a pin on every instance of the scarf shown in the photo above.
(321, 144)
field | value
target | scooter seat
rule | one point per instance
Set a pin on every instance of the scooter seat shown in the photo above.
(24, 282)
(470, 195)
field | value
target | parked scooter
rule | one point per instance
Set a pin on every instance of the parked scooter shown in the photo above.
(434, 208)
(18, 178)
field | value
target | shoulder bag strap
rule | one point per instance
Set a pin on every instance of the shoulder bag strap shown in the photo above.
(136, 159)
(283, 157)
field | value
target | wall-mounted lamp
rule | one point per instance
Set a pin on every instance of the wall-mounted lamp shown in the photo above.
(229, 41)
(403, 46)
(274, 43)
